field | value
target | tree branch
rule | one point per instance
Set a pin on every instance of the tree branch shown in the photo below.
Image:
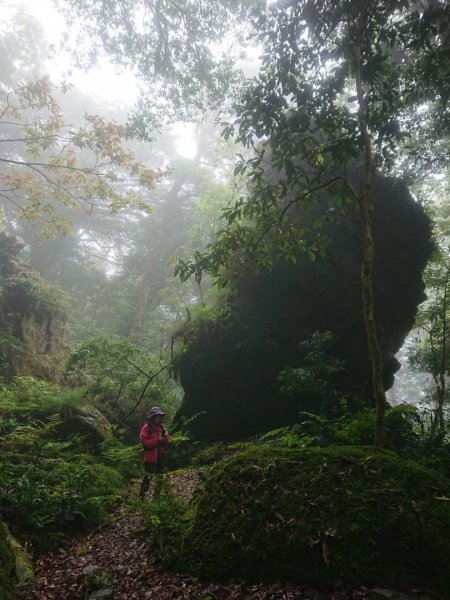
(141, 397)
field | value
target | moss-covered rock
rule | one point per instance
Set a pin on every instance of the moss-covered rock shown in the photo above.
(23, 566)
(314, 516)
(32, 317)
(7, 566)
(231, 363)
(85, 420)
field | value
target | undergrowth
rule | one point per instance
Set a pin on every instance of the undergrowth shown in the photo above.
(50, 487)
(166, 518)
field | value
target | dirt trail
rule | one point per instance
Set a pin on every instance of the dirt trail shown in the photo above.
(123, 557)
(120, 554)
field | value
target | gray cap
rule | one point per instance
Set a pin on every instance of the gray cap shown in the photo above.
(155, 411)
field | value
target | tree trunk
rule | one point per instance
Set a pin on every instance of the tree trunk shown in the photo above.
(142, 297)
(442, 388)
(365, 204)
(370, 322)
(441, 399)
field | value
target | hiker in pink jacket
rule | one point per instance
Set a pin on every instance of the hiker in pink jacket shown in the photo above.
(155, 441)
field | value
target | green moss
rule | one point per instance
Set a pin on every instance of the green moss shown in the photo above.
(210, 454)
(7, 566)
(45, 296)
(27, 396)
(314, 516)
(24, 568)
(33, 317)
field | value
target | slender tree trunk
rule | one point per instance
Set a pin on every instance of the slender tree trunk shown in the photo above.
(442, 388)
(142, 297)
(370, 322)
(365, 204)
(441, 399)
(201, 293)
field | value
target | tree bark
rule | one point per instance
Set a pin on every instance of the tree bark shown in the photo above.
(142, 297)
(369, 319)
(442, 387)
(365, 203)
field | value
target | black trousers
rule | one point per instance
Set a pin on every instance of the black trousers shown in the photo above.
(151, 469)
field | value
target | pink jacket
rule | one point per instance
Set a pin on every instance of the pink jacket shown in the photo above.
(154, 443)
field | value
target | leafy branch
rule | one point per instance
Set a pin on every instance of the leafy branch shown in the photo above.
(47, 169)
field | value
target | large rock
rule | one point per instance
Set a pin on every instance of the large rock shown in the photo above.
(8, 578)
(231, 364)
(32, 317)
(84, 420)
(23, 565)
(317, 516)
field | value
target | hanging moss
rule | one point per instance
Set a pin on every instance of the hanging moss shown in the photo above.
(314, 516)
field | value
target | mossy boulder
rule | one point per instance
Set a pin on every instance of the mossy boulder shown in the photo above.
(8, 578)
(85, 420)
(318, 515)
(232, 360)
(32, 317)
(23, 566)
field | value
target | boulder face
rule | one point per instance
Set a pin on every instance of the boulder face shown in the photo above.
(317, 516)
(8, 577)
(231, 364)
(23, 566)
(86, 421)
(32, 317)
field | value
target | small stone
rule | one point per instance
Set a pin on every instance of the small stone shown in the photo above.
(104, 594)
(90, 570)
(384, 594)
(220, 592)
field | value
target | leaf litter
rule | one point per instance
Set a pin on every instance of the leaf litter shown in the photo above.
(117, 559)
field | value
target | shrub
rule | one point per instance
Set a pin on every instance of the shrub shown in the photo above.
(358, 429)
(48, 487)
(26, 397)
(127, 460)
(51, 497)
(182, 450)
(315, 516)
(51, 487)
(167, 518)
(314, 379)
(116, 372)
(402, 433)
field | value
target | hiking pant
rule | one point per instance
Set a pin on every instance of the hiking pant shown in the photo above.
(152, 469)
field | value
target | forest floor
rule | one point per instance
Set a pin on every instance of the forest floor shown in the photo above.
(119, 557)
